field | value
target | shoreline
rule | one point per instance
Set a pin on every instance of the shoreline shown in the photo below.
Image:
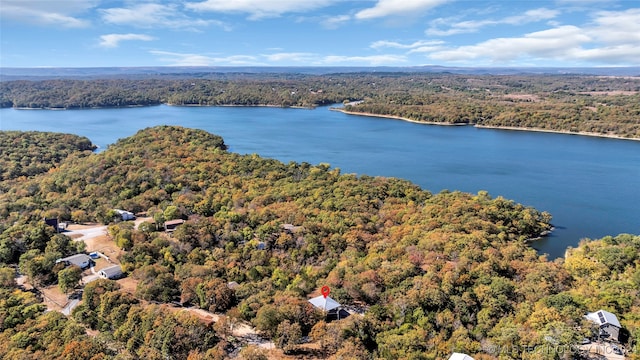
(491, 127)
(167, 104)
(397, 118)
(232, 105)
(565, 132)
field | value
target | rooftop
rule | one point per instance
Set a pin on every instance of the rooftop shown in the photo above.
(602, 317)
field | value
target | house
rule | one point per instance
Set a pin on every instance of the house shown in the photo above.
(460, 356)
(171, 225)
(609, 326)
(125, 215)
(82, 261)
(111, 272)
(329, 306)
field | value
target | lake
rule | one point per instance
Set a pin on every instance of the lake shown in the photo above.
(590, 185)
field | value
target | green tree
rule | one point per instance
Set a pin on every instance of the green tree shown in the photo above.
(288, 336)
(68, 278)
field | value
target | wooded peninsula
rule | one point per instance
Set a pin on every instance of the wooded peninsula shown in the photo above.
(581, 104)
(418, 275)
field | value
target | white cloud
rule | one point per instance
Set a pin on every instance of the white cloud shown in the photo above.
(282, 58)
(617, 27)
(185, 59)
(113, 40)
(336, 21)
(373, 60)
(48, 12)
(542, 44)
(612, 37)
(397, 45)
(155, 15)
(385, 8)
(470, 26)
(258, 9)
(297, 57)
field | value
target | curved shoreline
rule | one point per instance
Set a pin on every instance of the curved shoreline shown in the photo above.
(492, 127)
(396, 118)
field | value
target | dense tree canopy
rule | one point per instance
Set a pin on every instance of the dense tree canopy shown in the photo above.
(31, 153)
(434, 273)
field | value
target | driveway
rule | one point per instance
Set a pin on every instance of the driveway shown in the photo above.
(69, 307)
(87, 233)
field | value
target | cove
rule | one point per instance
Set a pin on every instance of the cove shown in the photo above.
(590, 185)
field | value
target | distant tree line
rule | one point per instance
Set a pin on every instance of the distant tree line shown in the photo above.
(595, 104)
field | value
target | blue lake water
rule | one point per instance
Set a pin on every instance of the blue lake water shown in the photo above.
(590, 185)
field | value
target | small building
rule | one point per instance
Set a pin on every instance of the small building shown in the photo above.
(171, 225)
(330, 307)
(53, 222)
(233, 285)
(111, 272)
(460, 356)
(609, 326)
(125, 215)
(290, 228)
(82, 261)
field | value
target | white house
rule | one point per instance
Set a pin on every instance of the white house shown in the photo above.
(608, 323)
(459, 356)
(111, 272)
(81, 260)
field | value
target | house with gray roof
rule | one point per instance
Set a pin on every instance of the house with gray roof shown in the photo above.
(82, 261)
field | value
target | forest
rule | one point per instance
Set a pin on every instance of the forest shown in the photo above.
(430, 274)
(570, 103)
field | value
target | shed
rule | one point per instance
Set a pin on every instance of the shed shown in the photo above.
(608, 323)
(53, 222)
(460, 356)
(171, 225)
(111, 272)
(125, 215)
(80, 260)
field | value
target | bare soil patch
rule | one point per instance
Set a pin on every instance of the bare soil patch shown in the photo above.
(105, 245)
(611, 92)
(128, 285)
(522, 97)
(53, 298)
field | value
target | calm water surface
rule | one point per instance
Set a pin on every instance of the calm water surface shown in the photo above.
(589, 185)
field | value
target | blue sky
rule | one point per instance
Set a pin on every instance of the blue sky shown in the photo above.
(88, 33)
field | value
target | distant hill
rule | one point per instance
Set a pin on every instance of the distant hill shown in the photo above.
(7, 74)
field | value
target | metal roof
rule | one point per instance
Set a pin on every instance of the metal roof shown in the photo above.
(326, 304)
(602, 317)
(459, 356)
(77, 259)
(111, 271)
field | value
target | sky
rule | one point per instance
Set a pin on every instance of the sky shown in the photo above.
(128, 33)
